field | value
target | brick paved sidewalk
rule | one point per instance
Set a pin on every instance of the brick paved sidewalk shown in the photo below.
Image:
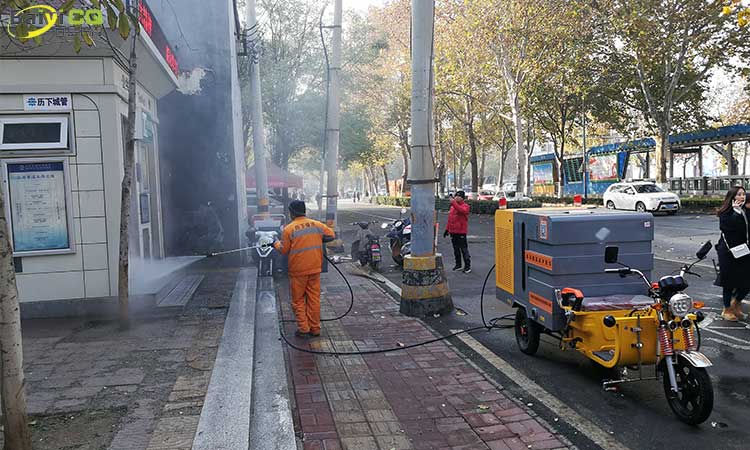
(91, 386)
(428, 397)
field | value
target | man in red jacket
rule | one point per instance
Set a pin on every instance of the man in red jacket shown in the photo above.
(458, 227)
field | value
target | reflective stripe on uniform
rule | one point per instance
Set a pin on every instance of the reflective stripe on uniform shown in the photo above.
(304, 231)
(300, 250)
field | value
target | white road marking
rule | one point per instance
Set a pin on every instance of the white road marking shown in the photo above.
(711, 318)
(585, 426)
(729, 344)
(685, 261)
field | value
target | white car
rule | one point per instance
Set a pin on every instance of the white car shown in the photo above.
(510, 196)
(641, 196)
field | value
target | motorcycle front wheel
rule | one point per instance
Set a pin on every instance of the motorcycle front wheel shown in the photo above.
(695, 401)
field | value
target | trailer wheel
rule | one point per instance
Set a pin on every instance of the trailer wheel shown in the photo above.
(527, 332)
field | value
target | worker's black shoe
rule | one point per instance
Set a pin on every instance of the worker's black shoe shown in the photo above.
(455, 268)
(467, 270)
(300, 334)
(315, 333)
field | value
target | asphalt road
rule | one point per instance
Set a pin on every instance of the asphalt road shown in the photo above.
(637, 414)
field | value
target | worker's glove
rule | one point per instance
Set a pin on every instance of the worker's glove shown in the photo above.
(445, 233)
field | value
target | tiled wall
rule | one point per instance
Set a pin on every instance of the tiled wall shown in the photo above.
(85, 273)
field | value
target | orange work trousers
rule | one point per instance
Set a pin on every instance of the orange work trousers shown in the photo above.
(306, 301)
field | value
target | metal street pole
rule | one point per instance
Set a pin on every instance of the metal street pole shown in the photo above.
(425, 289)
(332, 127)
(421, 167)
(256, 110)
(585, 158)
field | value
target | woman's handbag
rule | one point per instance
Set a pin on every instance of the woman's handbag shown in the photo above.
(738, 251)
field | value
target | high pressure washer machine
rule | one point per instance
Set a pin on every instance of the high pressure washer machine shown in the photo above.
(542, 250)
(583, 276)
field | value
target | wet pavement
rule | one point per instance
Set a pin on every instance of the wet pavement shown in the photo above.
(637, 415)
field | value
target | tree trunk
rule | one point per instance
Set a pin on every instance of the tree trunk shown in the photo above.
(684, 167)
(744, 159)
(123, 283)
(385, 179)
(455, 171)
(374, 178)
(472, 146)
(461, 168)
(731, 161)
(521, 159)
(560, 174)
(662, 150)
(481, 168)
(12, 390)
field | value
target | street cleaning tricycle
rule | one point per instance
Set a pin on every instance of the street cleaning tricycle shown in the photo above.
(582, 276)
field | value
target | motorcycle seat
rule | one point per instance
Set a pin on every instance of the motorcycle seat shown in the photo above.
(616, 302)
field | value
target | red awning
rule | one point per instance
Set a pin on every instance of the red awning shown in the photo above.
(277, 178)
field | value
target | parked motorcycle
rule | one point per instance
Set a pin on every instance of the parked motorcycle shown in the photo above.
(366, 246)
(399, 236)
(659, 329)
(264, 230)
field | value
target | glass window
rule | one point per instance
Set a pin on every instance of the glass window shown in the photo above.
(647, 188)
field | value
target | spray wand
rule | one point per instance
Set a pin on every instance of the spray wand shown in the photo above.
(210, 255)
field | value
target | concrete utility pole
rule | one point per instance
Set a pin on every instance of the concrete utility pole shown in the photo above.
(424, 288)
(256, 110)
(332, 127)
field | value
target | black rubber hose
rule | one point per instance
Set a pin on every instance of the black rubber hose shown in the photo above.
(492, 324)
(351, 298)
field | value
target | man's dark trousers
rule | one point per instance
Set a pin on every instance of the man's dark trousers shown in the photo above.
(461, 248)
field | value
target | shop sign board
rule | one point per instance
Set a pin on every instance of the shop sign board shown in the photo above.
(45, 102)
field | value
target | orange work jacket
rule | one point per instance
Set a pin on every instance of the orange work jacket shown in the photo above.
(302, 240)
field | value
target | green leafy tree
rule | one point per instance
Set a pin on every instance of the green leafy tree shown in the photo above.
(563, 77)
(657, 59)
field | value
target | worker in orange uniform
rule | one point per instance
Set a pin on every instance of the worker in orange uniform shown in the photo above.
(303, 241)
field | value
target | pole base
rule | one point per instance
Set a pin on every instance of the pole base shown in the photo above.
(424, 288)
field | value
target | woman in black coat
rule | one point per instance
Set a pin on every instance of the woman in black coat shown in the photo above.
(735, 272)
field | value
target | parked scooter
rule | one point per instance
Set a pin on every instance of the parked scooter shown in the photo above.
(261, 234)
(369, 252)
(659, 329)
(399, 236)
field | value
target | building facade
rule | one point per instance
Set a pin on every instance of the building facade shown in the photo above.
(63, 122)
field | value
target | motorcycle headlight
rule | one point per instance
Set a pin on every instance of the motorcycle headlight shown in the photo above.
(680, 304)
(265, 240)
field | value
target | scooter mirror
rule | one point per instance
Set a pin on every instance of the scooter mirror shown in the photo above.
(704, 250)
(611, 254)
(384, 225)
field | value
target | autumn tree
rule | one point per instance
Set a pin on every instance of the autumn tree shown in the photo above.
(564, 76)
(658, 57)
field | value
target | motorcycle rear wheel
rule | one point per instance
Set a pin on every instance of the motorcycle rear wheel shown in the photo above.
(374, 265)
(695, 401)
